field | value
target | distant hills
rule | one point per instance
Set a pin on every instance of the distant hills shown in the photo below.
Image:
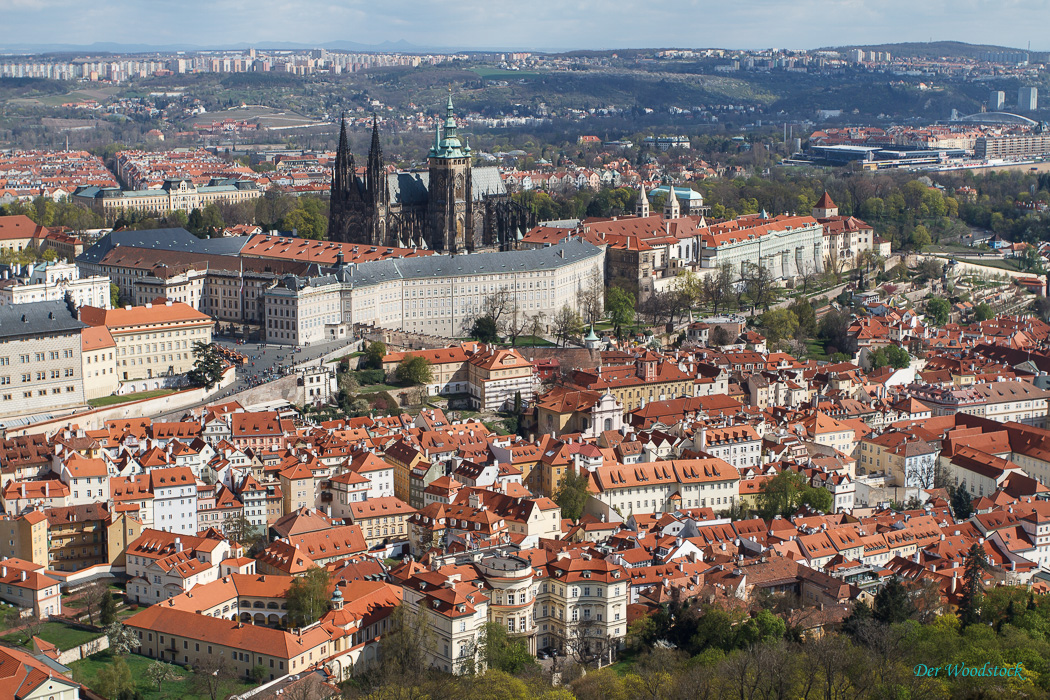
(934, 49)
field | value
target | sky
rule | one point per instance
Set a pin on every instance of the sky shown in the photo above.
(527, 24)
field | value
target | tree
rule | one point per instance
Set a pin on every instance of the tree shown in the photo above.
(92, 596)
(414, 370)
(121, 639)
(720, 336)
(962, 506)
(258, 674)
(920, 237)
(786, 491)
(778, 324)
(928, 269)
(890, 356)
(893, 604)
(758, 285)
(114, 296)
(833, 331)
(212, 676)
(115, 678)
(983, 312)
(938, 310)
(973, 585)
(308, 597)
(500, 653)
(620, 306)
(159, 672)
(107, 611)
(806, 315)
(485, 329)
(374, 355)
(208, 365)
(572, 494)
(567, 324)
(592, 297)
(240, 529)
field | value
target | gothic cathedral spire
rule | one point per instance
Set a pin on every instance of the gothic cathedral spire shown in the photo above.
(377, 186)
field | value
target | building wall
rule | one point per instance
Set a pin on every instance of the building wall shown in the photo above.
(40, 374)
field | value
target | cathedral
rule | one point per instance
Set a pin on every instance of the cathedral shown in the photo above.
(452, 207)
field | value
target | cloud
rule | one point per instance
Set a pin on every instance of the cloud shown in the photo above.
(534, 24)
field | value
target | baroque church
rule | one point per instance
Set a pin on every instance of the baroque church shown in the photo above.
(452, 207)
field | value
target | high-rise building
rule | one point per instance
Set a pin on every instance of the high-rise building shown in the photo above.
(1027, 99)
(996, 100)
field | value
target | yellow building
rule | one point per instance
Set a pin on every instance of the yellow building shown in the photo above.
(25, 537)
(382, 520)
(153, 343)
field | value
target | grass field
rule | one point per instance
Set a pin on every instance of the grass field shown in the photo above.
(532, 341)
(112, 400)
(57, 633)
(86, 672)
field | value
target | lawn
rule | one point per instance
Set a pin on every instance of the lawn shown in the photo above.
(376, 388)
(112, 400)
(57, 633)
(816, 350)
(86, 672)
(532, 341)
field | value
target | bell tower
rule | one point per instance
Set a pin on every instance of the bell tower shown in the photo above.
(449, 203)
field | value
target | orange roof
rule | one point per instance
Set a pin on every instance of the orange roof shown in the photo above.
(149, 315)
(95, 338)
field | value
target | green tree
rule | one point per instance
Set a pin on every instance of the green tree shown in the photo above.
(938, 310)
(962, 506)
(114, 678)
(107, 611)
(890, 356)
(893, 604)
(806, 315)
(983, 312)
(308, 597)
(572, 494)
(114, 295)
(207, 365)
(782, 494)
(374, 355)
(973, 585)
(500, 653)
(485, 329)
(818, 499)
(414, 370)
(778, 324)
(620, 305)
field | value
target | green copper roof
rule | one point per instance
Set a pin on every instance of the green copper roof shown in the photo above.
(450, 146)
(591, 337)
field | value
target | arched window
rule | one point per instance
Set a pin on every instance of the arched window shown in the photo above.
(608, 423)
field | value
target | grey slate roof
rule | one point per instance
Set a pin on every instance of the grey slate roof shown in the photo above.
(379, 271)
(163, 239)
(412, 188)
(37, 318)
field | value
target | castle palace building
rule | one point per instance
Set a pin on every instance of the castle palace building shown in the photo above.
(452, 207)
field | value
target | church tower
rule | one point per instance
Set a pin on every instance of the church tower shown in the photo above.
(344, 194)
(672, 210)
(450, 204)
(376, 186)
(641, 208)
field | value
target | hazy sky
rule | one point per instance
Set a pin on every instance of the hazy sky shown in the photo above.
(557, 24)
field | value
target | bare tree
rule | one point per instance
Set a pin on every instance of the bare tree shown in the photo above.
(212, 676)
(91, 596)
(592, 297)
(567, 324)
(514, 323)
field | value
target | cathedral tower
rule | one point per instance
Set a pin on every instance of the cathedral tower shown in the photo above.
(450, 203)
(345, 194)
(376, 187)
